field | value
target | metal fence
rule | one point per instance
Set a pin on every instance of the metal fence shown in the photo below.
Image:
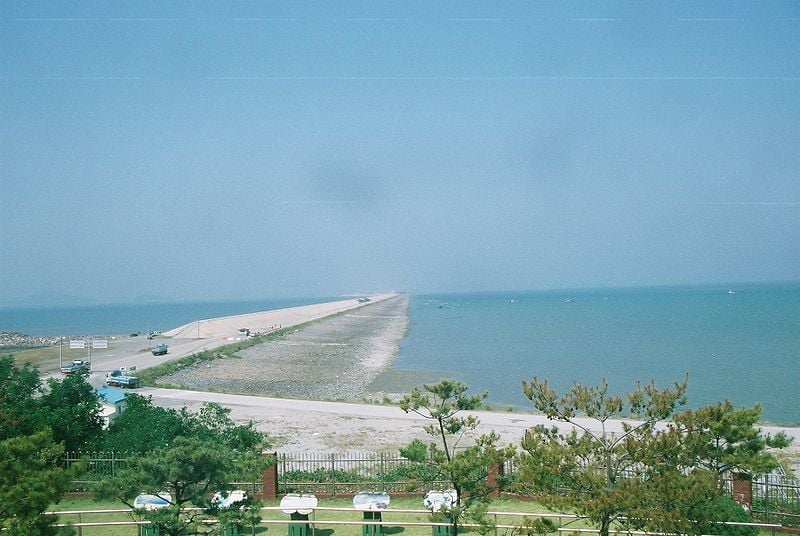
(776, 499)
(328, 473)
(366, 464)
(348, 473)
(96, 465)
(93, 466)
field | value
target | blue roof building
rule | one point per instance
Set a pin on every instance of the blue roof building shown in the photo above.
(112, 400)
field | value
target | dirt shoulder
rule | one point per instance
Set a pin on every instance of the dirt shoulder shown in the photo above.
(313, 426)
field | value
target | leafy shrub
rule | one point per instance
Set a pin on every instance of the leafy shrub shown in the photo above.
(724, 508)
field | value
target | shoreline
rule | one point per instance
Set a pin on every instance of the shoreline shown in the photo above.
(305, 417)
(313, 426)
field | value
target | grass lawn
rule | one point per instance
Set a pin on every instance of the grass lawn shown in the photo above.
(327, 521)
(346, 514)
(46, 358)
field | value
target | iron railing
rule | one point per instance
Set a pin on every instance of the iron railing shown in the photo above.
(776, 496)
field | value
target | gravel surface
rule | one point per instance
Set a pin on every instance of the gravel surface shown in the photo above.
(335, 358)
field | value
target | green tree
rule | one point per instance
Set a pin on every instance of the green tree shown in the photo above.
(594, 470)
(19, 387)
(676, 502)
(190, 470)
(71, 409)
(721, 437)
(656, 475)
(143, 427)
(30, 480)
(464, 467)
(214, 421)
(702, 446)
(190, 457)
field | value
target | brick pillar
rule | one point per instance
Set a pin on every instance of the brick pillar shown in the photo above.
(493, 475)
(269, 479)
(743, 490)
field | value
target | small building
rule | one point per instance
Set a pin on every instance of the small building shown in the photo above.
(112, 403)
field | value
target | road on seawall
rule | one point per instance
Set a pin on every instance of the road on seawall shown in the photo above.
(214, 332)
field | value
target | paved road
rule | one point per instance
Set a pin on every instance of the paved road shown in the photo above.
(128, 352)
(135, 352)
(317, 426)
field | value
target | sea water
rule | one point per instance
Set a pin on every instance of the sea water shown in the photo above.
(741, 344)
(128, 318)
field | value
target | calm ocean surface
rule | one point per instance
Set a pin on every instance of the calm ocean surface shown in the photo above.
(123, 319)
(744, 346)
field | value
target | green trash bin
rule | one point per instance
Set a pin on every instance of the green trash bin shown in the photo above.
(440, 530)
(440, 502)
(371, 503)
(298, 506)
(299, 529)
(149, 530)
(230, 530)
(371, 530)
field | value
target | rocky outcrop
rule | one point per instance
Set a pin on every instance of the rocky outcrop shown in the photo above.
(14, 339)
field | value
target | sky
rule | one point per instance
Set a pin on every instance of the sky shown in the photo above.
(179, 150)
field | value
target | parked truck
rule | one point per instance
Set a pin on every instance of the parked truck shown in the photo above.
(76, 366)
(161, 349)
(120, 378)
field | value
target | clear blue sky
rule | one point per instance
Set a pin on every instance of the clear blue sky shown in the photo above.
(193, 150)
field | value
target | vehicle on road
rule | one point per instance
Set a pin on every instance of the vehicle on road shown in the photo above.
(119, 378)
(76, 366)
(161, 349)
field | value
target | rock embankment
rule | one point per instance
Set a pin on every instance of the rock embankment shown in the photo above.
(333, 358)
(17, 340)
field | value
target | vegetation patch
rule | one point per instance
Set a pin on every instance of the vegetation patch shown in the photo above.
(151, 376)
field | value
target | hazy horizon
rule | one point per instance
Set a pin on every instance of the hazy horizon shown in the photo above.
(205, 151)
(62, 300)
